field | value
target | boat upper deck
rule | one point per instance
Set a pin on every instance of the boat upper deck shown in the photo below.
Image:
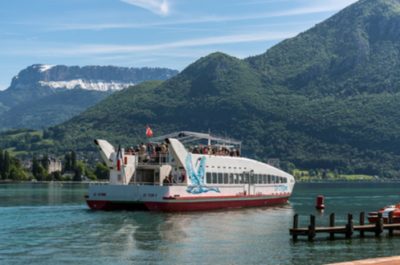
(156, 151)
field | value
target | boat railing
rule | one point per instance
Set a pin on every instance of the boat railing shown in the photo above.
(157, 184)
(155, 159)
(103, 183)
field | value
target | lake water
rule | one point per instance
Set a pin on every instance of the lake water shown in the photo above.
(50, 224)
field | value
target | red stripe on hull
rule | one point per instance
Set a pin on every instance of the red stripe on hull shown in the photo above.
(188, 206)
(226, 197)
(181, 206)
(114, 206)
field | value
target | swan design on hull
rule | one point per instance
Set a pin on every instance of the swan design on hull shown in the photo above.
(196, 176)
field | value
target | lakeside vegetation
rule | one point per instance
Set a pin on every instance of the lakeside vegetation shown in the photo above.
(13, 169)
(326, 175)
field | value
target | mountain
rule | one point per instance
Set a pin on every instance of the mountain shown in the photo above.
(326, 99)
(44, 95)
(354, 52)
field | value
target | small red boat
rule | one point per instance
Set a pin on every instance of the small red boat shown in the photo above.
(373, 216)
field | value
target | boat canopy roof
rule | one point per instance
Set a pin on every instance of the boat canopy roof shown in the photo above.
(187, 137)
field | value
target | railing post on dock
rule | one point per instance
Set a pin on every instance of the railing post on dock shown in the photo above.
(295, 226)
(390, 221)
(311, 228)
(349, 226)
(379, 225)
(332, 224)
(362, 222)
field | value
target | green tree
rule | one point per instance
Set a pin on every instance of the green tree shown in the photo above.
(79, 170)
(89, 173)
(17, 173)
(102, 171)
(45, 162)
(56, 175)
(73, 160)
(37, 170)
(6, 165)
(67, 162)
(1, 164)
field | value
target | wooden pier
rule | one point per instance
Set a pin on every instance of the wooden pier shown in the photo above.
(347, 230)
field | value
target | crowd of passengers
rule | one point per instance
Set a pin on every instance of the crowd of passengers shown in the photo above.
(154, 152)
(149, 152)
(214, 150)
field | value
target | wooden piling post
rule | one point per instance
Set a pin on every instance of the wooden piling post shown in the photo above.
(379, 225)
(332, 224)
(362, 222)
(349, 226)
(295, 226)
(390, 221)
(311, 228)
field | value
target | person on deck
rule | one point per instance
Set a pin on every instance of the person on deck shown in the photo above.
(166, 181)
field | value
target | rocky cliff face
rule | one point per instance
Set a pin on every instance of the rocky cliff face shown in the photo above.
(99, 78)
(41, 82)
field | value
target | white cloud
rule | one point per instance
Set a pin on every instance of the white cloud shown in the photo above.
(159, 7)
(56, 49)
(3, 87)
(308, 8)
(197, 42)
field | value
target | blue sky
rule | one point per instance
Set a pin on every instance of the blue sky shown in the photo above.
(135, 33)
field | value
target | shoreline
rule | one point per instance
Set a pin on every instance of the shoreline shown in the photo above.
(297, 181)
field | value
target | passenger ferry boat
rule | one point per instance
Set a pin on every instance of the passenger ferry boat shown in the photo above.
(174, 173)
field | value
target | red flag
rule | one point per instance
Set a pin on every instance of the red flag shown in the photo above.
(149, 132)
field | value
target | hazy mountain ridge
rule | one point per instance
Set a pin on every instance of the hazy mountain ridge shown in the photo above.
(39, 87)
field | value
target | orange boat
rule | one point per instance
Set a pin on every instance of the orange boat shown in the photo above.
(373, 216)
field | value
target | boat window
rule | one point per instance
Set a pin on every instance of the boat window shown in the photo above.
(208, 177)
(231, 178)
(226, 178)
(220, 179)
(236, 177)
(214, 178)
(241, 179)
(246, 178)
(284, 180)
(253, 178)
(272, 179)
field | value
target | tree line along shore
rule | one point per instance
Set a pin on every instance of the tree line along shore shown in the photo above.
(47, 168)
